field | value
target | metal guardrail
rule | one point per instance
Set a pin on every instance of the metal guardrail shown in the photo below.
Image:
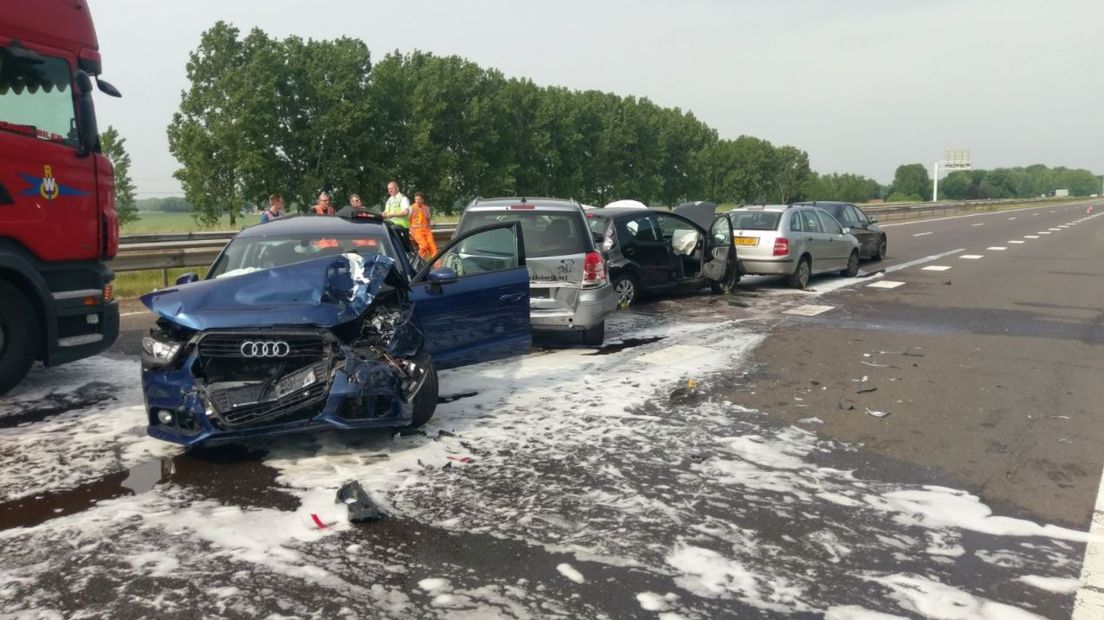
(199, 249)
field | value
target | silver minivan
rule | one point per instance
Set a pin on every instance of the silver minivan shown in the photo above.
(792, 240)
(569, 287)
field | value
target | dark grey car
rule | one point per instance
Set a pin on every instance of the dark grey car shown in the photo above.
(872, 239)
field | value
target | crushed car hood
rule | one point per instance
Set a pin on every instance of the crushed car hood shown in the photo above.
(323, 292)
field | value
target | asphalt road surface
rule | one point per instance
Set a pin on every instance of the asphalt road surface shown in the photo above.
(921, 441)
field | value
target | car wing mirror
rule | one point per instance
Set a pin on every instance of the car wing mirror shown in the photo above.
(872, 220)
(187, 278)
(442, 275)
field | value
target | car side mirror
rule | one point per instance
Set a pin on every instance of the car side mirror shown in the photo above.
(846, 230)
(872, 220)
(188, 278)
(442, 275)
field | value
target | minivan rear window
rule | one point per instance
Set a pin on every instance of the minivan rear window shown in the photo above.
(546, 233)
(758, 220)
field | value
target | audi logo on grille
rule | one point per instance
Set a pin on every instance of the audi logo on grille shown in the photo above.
(268, 348)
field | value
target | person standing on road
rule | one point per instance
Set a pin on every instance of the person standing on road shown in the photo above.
(397, 207)
(420, 229)
(275, 208)
(322, 207)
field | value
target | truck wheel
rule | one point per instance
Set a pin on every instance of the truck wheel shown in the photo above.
(425, 401)
(18, 336)
(595, 336)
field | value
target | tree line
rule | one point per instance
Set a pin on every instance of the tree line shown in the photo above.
(295, 117)
(913, 183)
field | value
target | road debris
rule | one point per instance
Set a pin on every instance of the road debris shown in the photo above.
(360, 506)
(461, 459)
(876, 414)
(867, 390)
(847, 406)
(318, 521)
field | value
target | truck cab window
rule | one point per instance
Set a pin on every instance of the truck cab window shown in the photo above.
(36, 98)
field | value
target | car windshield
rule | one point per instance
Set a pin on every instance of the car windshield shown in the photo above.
(247, 254)
(755, 220)
(547, 233)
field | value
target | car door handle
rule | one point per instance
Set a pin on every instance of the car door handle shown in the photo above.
(511, 297)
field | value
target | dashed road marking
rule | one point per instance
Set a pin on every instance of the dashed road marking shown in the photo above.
(936, 268)
(978, 224)
(1034, 214)
(1043, 232)
(1011, 218)
(972, 256)
(808, 310)
(885, 284)
(921, 234)
(1031, 236)
(1054, 229)
(921, 261)
(996, 248)
(1017, 241)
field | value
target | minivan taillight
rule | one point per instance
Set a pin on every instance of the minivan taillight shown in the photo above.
(594, 269)
(781, 247)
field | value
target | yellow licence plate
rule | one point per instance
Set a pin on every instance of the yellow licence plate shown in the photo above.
(752, 241)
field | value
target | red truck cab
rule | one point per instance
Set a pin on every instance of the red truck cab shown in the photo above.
(57, 201)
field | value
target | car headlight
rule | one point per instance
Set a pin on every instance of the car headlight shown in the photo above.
(158, 350)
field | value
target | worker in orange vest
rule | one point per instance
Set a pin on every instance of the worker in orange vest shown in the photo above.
(322, 207)
(420, 230)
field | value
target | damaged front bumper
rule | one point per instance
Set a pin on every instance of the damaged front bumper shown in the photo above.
(237, 385)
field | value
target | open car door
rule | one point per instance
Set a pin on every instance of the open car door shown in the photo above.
(472, 299)
(720, 264)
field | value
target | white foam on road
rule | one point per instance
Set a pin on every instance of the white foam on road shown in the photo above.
(1090, 593)
(571, 573)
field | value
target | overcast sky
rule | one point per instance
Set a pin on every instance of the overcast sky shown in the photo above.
(861, 85)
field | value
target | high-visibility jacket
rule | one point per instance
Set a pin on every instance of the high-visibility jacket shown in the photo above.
(421, 231)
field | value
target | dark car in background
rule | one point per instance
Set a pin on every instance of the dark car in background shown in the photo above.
(651, 251)
(569, 289)
(872, 238)
(326, 322)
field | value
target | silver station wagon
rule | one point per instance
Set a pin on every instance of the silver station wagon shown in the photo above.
(792, 240)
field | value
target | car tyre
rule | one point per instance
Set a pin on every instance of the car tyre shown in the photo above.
(595, 335)
(425, 401)
(852, 265)
(800, 276)
(880, 254)
(728, 285)
(627, 288)
(18, 326)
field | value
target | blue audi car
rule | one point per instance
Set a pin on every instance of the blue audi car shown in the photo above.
(327, 322)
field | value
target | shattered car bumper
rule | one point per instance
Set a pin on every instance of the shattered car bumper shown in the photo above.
(323, 384)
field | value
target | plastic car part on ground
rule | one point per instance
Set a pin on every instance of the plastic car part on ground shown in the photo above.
(359, 504)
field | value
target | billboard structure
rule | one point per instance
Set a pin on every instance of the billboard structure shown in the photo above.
(953, 159)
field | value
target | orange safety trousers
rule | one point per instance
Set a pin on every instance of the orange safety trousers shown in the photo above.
(421, 233)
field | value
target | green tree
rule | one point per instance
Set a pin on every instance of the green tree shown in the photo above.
(912, 180)
(114, 148)
(790, 172)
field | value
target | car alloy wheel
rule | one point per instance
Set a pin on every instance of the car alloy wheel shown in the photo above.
(800, 277)
(881, 250)
(625, 288)
(852, 265)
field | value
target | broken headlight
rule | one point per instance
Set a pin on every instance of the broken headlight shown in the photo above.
(159, 350)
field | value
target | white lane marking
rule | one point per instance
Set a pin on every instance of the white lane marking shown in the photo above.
(1053, 211)
(1054, 229)
(1031, 236)
(936, 268)
(1011, 218)
(808, 310)
(920, 261)
(958, 217)
(1089, 604)
(885, 284)
(673, 353)
(997, 248)
(1017, 241)
(922, 234)
(978, 224)
(1043, 232)
(972, 256)
(1034, 214)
